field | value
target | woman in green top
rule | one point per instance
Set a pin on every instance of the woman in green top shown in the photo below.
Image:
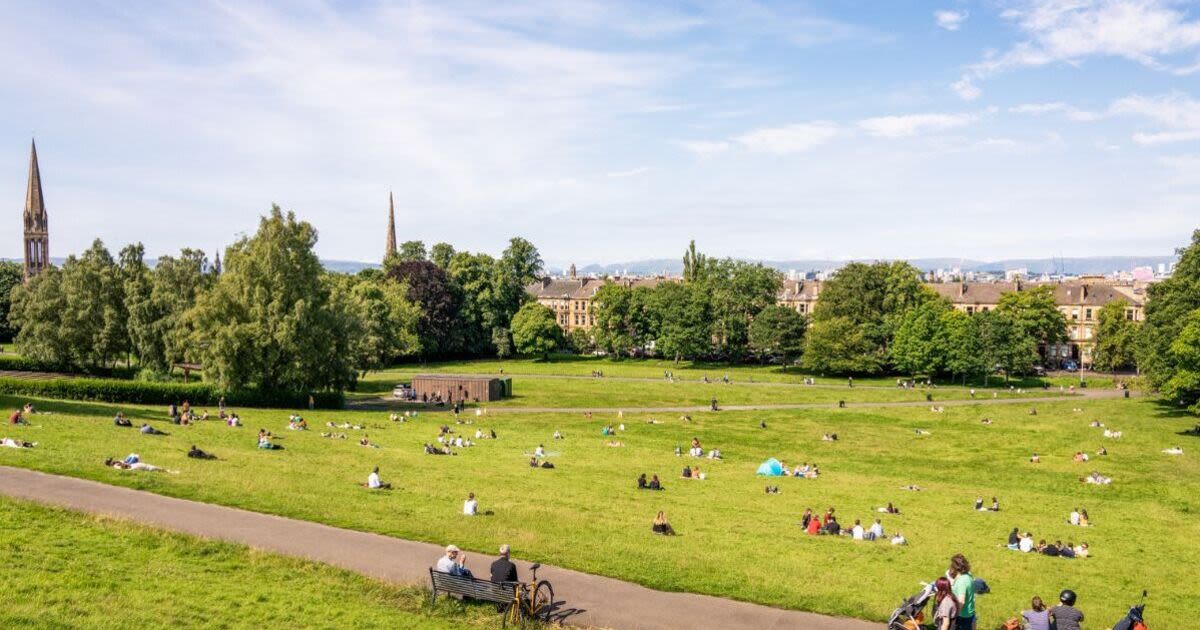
(963, 588)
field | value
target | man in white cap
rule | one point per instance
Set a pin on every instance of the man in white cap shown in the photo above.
(453, 562)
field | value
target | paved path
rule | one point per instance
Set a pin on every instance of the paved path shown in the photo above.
(1088, 394)
(583, 600)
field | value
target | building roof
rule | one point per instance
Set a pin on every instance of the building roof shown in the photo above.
(800, 290)
(1065, 293)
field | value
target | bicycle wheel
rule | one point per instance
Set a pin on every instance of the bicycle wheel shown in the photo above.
(542, 602)
(512, 617)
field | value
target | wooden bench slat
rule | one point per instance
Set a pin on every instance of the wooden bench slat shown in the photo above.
(475, 588)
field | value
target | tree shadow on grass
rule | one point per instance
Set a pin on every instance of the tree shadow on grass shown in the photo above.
(82, 408)
(1170, 410)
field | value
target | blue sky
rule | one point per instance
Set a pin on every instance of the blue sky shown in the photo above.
(609, 131)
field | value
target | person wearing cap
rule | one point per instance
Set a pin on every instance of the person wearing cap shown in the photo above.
(503, 570)
(453, 562)
(1065, 615)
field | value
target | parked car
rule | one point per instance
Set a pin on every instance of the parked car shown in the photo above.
(1070, 365)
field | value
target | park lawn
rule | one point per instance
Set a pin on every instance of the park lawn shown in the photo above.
(64, 569)
(735, 540)
(584, 365)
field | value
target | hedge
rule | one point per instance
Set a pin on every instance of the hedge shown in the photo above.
(18, 363)
(152, 393)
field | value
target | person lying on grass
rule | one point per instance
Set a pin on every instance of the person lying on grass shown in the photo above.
(365, 441)
(334, 436)
(662, 526)
(196, 453)
(888, 509)
(534, 463)
(1097, 479)
(149, 430)
(1173, 451)
(373, 482)
(133, 462)
(121, 421)
(14, 443)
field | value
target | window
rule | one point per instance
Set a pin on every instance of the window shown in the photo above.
(1129, 314)
(1074, 314)
(1087, 314)
(970, 310)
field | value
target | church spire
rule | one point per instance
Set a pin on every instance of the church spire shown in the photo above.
(37, 227)
(391, 229)
(217, 263)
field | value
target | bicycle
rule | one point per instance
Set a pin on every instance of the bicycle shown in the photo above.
(531, 600)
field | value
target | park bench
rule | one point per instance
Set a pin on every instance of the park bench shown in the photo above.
(473, 588)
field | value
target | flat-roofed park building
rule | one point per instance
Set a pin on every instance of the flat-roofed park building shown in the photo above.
(455, 387)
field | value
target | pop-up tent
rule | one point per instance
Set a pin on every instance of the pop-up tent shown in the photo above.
(771, 468)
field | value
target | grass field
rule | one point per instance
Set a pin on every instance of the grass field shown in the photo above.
(67, 570)
(735, 540)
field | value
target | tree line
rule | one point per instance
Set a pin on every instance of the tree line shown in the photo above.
(273, 319)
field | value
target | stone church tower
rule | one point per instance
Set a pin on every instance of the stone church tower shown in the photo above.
(391, 229)
(37, 227)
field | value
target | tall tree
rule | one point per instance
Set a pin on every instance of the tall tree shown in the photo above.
(411, 251)
(1116, 338)
(439, 298)
(778, 332)
(693, 263)
(271, 320)
(479, 318)
(11, 275)
(622, 323)
(921, 340)
(963, 352)
(1005, 344)
(39, 313)
(1183, 384)
(441, 254)
(387, 324)
(535, 332)
(680, 316)
(1169, 308)
(1036, 313)
(737, 291)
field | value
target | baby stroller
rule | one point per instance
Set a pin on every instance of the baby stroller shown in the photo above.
(1133, 621)
(911, 613)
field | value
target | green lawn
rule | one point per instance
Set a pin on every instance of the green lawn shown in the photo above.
(735, 540)
(67, 570)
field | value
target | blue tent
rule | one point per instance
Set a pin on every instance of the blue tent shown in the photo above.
(771, 468)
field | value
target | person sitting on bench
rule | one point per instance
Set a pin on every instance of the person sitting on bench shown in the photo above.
(503, 570)
(454, 562)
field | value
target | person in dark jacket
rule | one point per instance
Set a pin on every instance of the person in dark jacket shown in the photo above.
(503, 570)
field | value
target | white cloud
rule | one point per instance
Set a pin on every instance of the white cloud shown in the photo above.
(912, 124)
(1150, 32)
(950, 20)
(629, 173)
(1177, 114)
(1057, 107)
(704, 148)
(966, 89)
(789, 139)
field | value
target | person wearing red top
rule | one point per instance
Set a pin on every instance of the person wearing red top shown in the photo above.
(814, 527)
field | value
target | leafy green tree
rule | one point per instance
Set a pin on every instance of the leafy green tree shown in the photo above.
(872, 299)
(580, 341)
(839, 345)
(622, 322)
(1116, 338)
(272, 320)
(693, 263)
(737, 291)
(535, 332)
(778, 331)
(39, 314)
(428, 285)
(474, 276)
(1183, 385)
(1037, 314)
(1005, 343)
(963, 351)
(502, 341)
(411, 251)
(387, 325)
(1170, 305)
(679, 315)
(441, 254)
(11, 275)
(921, 341)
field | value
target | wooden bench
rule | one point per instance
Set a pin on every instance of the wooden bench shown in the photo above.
(474, 588)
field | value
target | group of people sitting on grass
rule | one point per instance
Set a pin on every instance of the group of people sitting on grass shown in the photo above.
(652, 484)
(535, 463)
(296, 423)
(828, 525)
(433, 450)
(480, 434)
(1024, 543)
(693, 472)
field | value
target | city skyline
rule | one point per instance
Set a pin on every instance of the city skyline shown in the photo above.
(766, 131)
